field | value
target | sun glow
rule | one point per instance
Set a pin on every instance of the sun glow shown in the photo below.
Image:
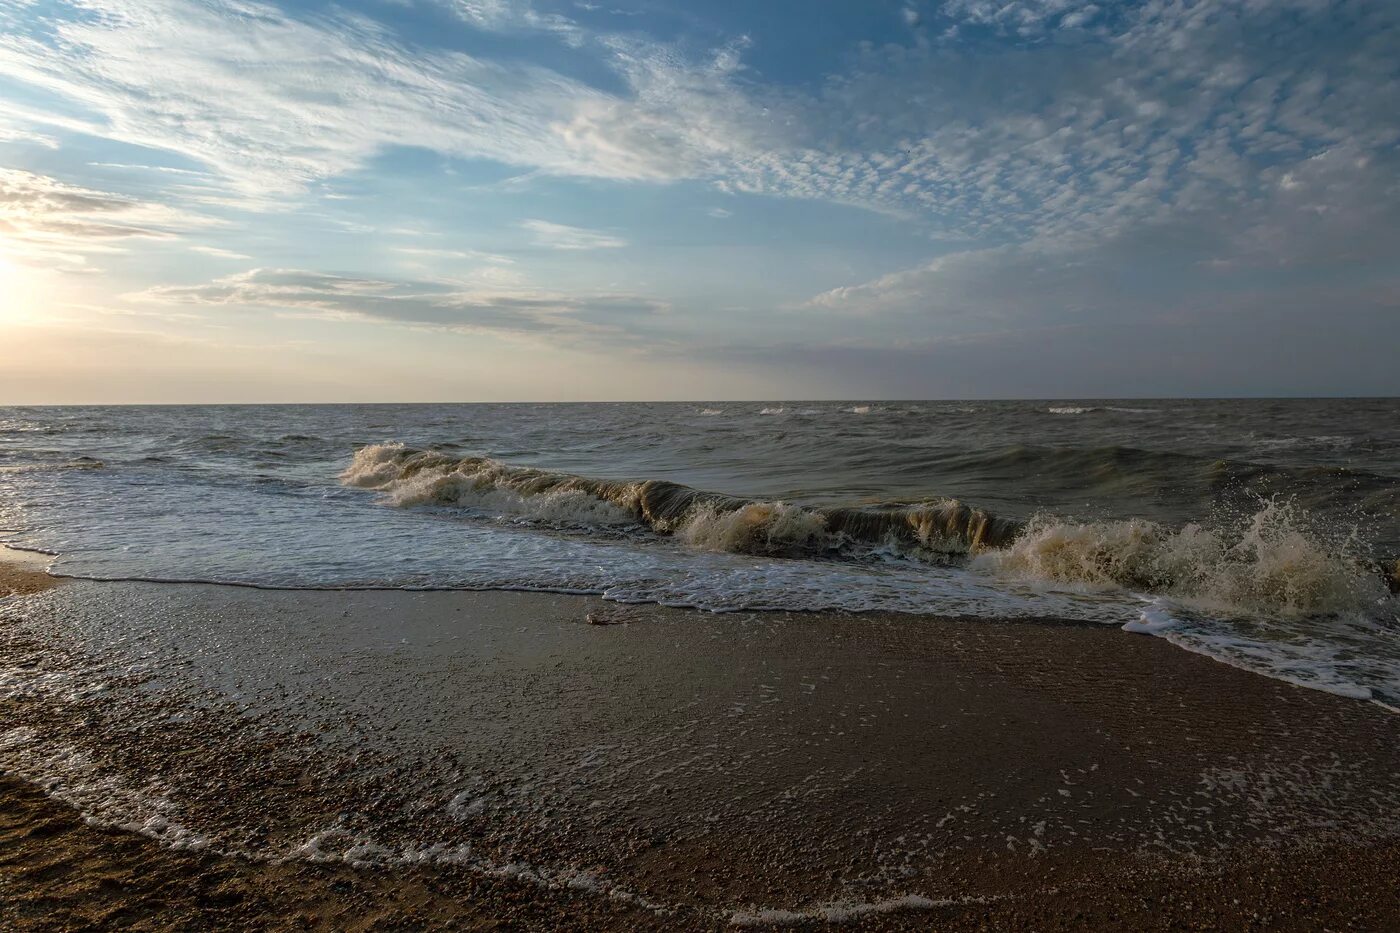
(19, 290)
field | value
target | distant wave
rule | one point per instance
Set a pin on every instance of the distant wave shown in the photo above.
(78, 463)
(1089, 409)
(1278, 560)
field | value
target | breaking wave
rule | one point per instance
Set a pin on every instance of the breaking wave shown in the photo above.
(1276, 560)
(715, 521)
(1089, 409)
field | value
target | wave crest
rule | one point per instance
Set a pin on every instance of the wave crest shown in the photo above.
(409, 477)
(1275, 561)
(417, 477)
(755, 528)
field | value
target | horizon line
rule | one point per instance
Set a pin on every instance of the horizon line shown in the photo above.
(716, 401)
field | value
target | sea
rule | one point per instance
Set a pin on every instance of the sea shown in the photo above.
(1262, 533)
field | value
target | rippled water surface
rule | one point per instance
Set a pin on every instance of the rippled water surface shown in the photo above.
(1258, 532)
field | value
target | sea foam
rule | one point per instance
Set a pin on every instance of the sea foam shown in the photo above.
(713, 521)
(1274, 561)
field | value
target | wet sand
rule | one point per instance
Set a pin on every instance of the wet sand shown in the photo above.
(22, 573)
(57, 873)
(284, 760)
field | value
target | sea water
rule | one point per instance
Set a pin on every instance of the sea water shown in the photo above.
(1262, 533)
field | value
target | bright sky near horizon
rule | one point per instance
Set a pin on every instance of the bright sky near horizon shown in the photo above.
(381, 200)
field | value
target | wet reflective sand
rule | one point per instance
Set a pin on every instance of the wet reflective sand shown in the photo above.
(695, 769)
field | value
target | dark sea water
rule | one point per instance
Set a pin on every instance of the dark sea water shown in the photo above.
(1258, 532)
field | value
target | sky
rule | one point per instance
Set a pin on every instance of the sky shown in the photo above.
(422, 200)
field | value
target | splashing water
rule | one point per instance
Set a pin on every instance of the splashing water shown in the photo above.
(1229, 528)
(1277, 562)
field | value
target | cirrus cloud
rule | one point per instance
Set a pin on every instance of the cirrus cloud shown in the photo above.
(45, 220)
(562, 236)
(519, 311)
(274, 103)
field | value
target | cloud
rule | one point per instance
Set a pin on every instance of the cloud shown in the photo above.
(439, 304)
(1193, 351)
(468, 254)
(1288, 297)
(1072, 164)
(274, 103)
(160, 169)
(1164, 107)
(219, 253)
(43, 219)
(14, 131)
(1222, 176)
(561, 236)
(1333, 216)
(1022, 17)
(510, 16)
(1156, 108)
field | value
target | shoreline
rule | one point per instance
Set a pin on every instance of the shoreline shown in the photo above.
(59, 873)
(489, 756)
(22, 572)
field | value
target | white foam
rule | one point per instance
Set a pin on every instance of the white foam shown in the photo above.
(756, 528)
(1274, 562)
(1335, 662)
(373, 465)
(336, 844)
(844, 911)
(1273, 593)
(481, 485)
(67, 774)
(111, 800)
(1153, 620)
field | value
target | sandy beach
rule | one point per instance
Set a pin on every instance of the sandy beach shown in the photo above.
(522, 761)
(688, 466)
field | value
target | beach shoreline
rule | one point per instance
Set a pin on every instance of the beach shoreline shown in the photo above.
(22, 573)
(59, 873)
(489, 759)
